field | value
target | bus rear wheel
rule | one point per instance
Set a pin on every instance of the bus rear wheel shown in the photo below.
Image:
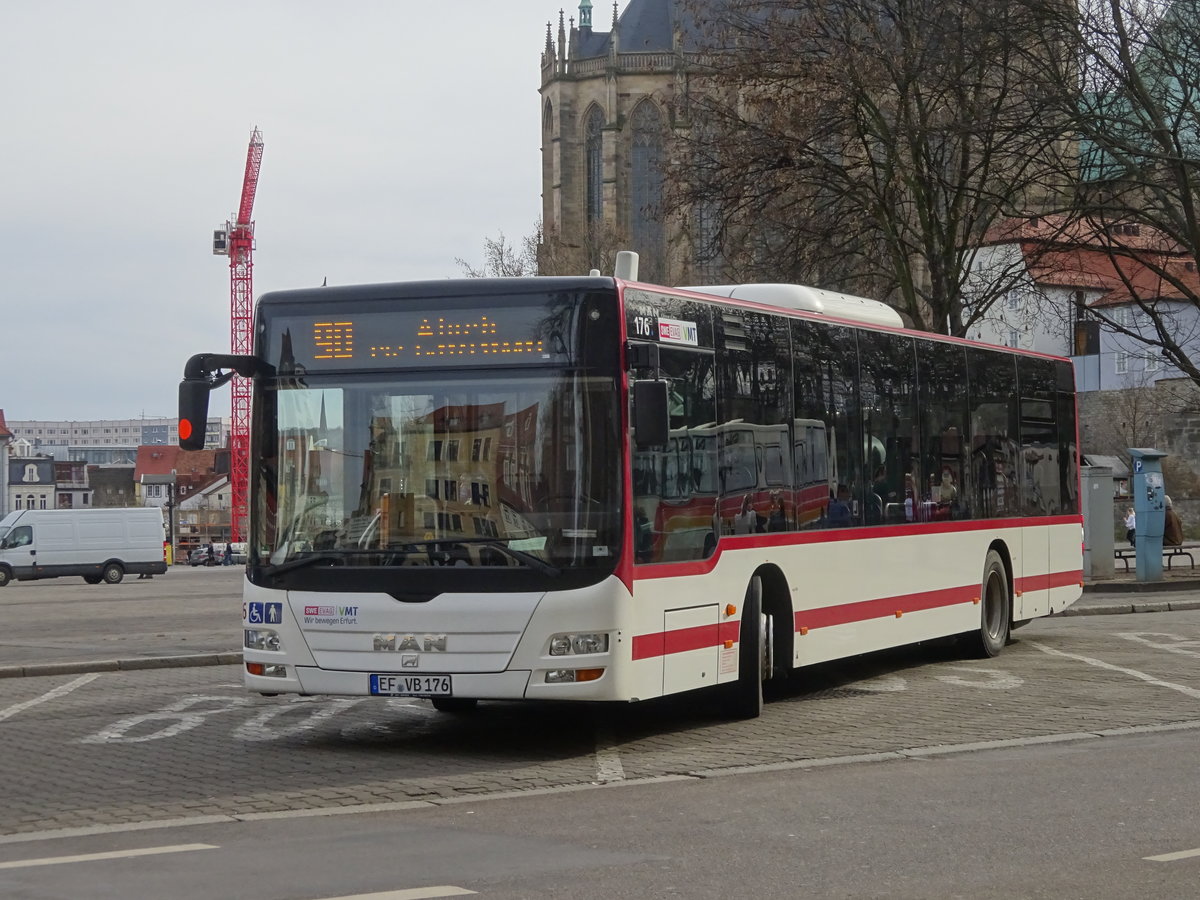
(113, 573)
(995, 610)
(745, 696)
(92, 579)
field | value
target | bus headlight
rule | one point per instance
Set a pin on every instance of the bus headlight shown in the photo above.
(262, 639)
(578, 644)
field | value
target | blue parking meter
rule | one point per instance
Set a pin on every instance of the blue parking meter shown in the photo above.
(1149, 506)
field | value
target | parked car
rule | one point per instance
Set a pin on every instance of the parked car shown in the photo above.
(200, 557)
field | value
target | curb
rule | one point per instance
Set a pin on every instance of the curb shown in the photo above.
(122, 665)
(1113, 609)
(1140, 587)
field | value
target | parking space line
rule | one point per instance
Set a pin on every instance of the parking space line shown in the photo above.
(49, 695)
(112, 854)
(608, 758)
(1171, 857)
(1101, 664)
(426, 893)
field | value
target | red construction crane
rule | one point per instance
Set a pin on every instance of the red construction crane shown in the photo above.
(237, 242)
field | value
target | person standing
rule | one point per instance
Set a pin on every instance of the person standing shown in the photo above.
(1172, 527)
(227, 557)
(1130, 525)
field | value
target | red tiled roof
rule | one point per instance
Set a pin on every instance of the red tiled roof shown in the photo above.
(161, 459)
(1125, 262)
(4, 432)
(1122, 279)
(1058, 229)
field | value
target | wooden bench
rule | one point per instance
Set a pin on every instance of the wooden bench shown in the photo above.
(1170, 552)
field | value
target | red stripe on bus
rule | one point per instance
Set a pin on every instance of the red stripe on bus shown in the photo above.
(1053, 580)
(883, 607)
(699, 637)
(802, 538)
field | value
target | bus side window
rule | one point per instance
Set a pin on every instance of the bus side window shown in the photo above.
(674, 485)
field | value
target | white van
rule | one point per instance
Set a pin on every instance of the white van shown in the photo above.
(99, 544)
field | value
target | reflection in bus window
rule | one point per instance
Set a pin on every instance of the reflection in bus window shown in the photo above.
(675, 485)
(993, 390)
(825, 373)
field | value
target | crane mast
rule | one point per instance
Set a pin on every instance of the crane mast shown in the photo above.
(237, 242)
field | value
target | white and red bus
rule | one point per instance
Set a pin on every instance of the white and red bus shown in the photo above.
(590, 488)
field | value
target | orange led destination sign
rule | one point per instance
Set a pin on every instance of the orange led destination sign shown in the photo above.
(400, 338)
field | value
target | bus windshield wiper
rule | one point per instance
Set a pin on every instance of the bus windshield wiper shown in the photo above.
(301, 562)
(529, 559)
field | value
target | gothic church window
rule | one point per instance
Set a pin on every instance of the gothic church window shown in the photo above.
(646, 181)
(594, 150)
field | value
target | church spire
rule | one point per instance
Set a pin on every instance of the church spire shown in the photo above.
(585, 14)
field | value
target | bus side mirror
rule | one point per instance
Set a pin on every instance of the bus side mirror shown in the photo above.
(193, 413)
(651, 419)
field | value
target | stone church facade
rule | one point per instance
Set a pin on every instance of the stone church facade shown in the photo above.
(611, 101)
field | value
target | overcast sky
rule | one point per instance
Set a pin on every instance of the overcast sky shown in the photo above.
(398, 136)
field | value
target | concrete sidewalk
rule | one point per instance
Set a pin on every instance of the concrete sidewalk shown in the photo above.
(1123, 593)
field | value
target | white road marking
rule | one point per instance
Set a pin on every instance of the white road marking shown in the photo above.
(113, 854)
(882, 684)
(608, 759)
(1177, 644)
(981, 678)
(1171, 857)
(426, 893)
(180, 716)
(49, 695)
(1100, 664)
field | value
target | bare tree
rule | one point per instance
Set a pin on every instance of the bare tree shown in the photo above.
(1134, 98)
(503, 259)
(868, 145)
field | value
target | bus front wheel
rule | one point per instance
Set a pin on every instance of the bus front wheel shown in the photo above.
(995, 610)
(113, 573)
(745, 696)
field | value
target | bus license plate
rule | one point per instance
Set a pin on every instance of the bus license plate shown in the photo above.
(410, 685)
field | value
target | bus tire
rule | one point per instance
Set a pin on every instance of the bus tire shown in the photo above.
(5, 575)
(92, 579)
(453, 704)
(113, 573)
(995, 610)
(745, 696)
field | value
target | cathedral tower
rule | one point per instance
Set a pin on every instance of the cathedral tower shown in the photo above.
(611, 101)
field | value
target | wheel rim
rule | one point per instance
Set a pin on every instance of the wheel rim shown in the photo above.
(993, 604)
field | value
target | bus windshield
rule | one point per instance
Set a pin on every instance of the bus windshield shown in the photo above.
(496, 467)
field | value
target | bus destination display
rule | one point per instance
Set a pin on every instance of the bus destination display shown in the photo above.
(399, 339)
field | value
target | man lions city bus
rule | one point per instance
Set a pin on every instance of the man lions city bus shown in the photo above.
(588, 488)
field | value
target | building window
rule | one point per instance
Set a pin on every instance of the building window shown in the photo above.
(1123, 362)
(1153, 362)
(594, 162)
(646, 186)
(1014, 338)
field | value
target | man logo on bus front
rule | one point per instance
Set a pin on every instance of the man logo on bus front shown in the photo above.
(429, 643)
